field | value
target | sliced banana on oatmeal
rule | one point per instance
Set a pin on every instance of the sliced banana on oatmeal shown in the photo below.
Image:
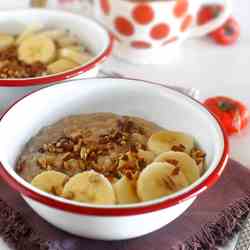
(148, 156)
(61, 65)
(89, 187)
(159, 179)
(6, 41)
(28, 32)
(125, 191)
(163, 141)
(182, 160)
(74, 56)
(53, 34)
(37, 49)
(50, 182)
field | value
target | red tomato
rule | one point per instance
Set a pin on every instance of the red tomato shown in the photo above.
(208, 12)
(232, 114)
(229, 33)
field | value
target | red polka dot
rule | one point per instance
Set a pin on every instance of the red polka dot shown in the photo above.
(143, 14)
(186, 23)
(171, 40)
(124, 26)
(160, 31)
(181, 8)
(140, 45)
(105, 6)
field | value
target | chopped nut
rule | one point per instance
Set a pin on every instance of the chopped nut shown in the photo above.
(176, 171)
(173, 162)
(141, 164)
(83, 153)
(42, 162)
(41, 150)
(133, 148)
(66, 156)
(82, 165)
(178, 148)
(198, 155)
(58, 163)
(77, 147)
(124, 158)
(169, 183)
(129, 174)
(73, 163)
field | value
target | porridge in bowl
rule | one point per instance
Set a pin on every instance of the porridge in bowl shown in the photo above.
(104, 158)
(38, 51)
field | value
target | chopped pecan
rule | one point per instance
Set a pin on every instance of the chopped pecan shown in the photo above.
(83, 153)
(124, 157)
(141, 163)
(133, 148)
(66, 156)
(176, 171)
(178, 148)
(169, 183)
(198, 155)
(172, 161)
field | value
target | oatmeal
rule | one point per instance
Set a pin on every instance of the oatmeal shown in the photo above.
(112, 155)
(38, 52)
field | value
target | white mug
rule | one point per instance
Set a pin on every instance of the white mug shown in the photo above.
(144, 30)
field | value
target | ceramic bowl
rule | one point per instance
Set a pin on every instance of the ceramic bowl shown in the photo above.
(97, 39)
(151, 101)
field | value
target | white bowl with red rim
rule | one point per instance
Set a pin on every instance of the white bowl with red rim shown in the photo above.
(96, 38)
(150, 101)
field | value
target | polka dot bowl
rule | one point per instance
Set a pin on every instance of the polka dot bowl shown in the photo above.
(144, 29)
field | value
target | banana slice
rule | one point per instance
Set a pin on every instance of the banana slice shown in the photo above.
(90, 187)
(74, 56)
(6, 41)
(125, 191)
(164, 141)
(53, 34)
(159, 179)
(50, 182)
(182, 160)
(148, 156)
(28, 32)
(37, 49)
(61, 65)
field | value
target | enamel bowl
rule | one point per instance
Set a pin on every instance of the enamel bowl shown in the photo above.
(153, 102)
(97, 39)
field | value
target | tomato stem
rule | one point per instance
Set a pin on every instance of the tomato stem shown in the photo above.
(226, 106)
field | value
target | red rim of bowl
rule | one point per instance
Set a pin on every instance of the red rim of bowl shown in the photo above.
(121, 211)
(55, 78)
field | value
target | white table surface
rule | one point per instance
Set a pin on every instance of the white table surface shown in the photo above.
(212, 69)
